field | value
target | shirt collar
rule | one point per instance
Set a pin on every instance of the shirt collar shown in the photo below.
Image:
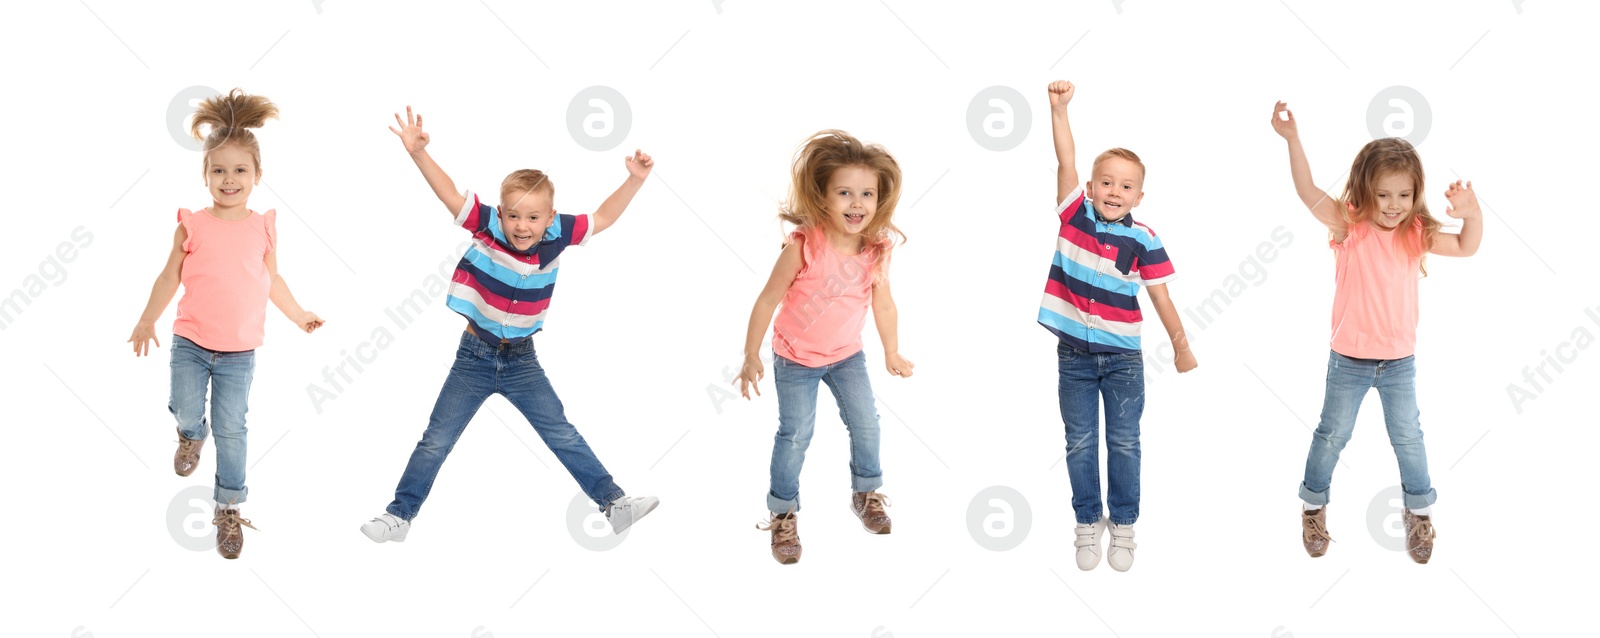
(1125, 220)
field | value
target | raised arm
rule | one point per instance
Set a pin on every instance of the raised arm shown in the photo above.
(1463, 206)
(416, 143)
(1061, 92)
(639, 165)
(161, 294)
(887, 317)
(783, 274)
(1323, 207)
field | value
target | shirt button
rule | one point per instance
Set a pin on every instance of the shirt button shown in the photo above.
(1091, 301)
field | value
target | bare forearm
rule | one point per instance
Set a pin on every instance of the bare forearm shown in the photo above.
(442, 185)
(1300, 170)
(1172, 322)
(1066, 158)
(618, 202)
(161, 294)
(760, 318)
(888, 321)
(1471, 235)
(284, 300)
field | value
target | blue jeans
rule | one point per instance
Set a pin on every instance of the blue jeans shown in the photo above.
(229, 375)
(1118, 380)
(797, 416)
(1348, 382)
(482, 369)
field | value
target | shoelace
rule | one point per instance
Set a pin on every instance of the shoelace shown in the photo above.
(1315, 528)
(785, 528)
(1421, 532)
(874, 504)
(228, 521)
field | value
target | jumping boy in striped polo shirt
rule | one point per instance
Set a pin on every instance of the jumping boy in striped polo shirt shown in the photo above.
(503, 286)
(1091, 303)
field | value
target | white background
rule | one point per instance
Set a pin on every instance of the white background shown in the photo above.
(650, 319)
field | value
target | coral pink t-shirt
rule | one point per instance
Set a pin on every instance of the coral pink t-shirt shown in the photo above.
(225, 279)
(1375, 294)
(821, 317)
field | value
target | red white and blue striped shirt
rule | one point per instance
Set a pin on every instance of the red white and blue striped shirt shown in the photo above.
(503, 291)
(1091, 300)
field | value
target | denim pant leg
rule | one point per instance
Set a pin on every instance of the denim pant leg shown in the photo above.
(852, 390)
(523, 382)
(797, 416)
(1078, 392)
(1397, 388)
(1347, 384)
(191, 374)
(1122, 388)
(471, 381)
(231, 375)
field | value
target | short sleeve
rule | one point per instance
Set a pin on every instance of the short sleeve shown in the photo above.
(474, 215)
(1155, 267)
(186, 220)
(582, 228)
(269, 222)
(1070, 206)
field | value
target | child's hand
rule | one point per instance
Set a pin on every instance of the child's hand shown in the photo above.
(1184, 361)
(1061, 92)
(639, 164)
(1284, 126)
(898, 366)
(1463, 202)
(308, 321)
(143, 334)
(410, 132)
(749, 375)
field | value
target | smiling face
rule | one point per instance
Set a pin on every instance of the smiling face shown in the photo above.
(1393, 195)
(524, 216)
(230, 175)
(1116, 187)
(852, 198)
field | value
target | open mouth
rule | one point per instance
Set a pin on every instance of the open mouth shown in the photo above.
(1113, 206)
(229, 191)
(854, 218)
(1392, 216)
(522, 239)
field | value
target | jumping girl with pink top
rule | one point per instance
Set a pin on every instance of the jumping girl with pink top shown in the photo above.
(1381, 232)
(225, 256)
(833, 266)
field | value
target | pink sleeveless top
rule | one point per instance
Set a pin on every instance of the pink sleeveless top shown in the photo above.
(821, 317)
(1375, 294)
(225, 280)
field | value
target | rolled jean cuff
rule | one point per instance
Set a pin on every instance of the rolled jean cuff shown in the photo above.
(780, 506)
(609, 499)
(1419, 501)
(1321, 498)
(866, 483)
(225, 496)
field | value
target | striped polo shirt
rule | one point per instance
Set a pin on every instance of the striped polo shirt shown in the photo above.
(503, 291)
(1092, 298)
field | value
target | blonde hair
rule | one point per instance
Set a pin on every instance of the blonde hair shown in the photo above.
(814, 164)
(1380, 158)
(231, 117)
(526, 179)
(1117, 152)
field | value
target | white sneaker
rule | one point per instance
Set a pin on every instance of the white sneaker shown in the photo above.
(1120, 556)
(625, 511)
(1088, 544)
(387, 527)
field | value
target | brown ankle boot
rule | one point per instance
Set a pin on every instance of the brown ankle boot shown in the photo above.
(188, 455)
(1314, 530)
(868, 506)
(230, 536)
(1419, 537)
(785, 537)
